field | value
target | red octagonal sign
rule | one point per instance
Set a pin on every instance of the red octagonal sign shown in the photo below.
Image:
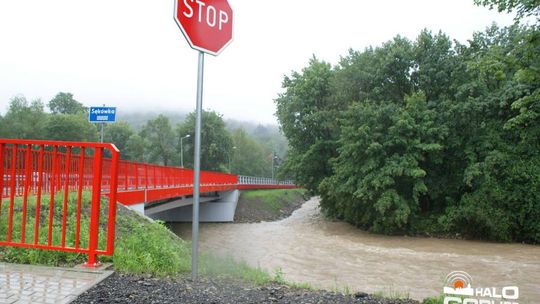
(207, 24)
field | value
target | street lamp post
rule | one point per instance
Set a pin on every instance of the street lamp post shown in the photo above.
(274, 158)
(234, 148)
(182, 150)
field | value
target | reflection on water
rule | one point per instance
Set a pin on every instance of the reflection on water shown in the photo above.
(329, 255)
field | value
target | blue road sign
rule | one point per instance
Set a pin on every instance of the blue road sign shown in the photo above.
(102, 114)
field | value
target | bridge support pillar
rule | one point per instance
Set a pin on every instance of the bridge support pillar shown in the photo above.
(220, 210)
(139, 208)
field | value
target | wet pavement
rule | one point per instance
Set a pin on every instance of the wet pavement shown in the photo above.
(42, 284)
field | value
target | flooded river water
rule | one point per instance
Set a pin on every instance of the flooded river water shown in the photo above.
(335, 255)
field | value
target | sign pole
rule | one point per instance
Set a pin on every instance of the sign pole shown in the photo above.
(101, 137)
(102, 127)
(197, 169)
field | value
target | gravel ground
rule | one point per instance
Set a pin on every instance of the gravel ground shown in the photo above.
(131, 289)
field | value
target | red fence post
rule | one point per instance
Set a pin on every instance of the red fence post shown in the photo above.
(52, 189)
(79, 197)
(67, 163)
(2, 162)
(94, 216)
(154, 177)
(12, 190)
(126, 183)
(146, 176)
(112, 202)
(27, 179)
(136, 176)
(38, 198)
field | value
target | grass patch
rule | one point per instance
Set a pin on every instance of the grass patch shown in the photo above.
(344, 289)
(229, 268)
(435, 300)
(391, 293)
(145, 247)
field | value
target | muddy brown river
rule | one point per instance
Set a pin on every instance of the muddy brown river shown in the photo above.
(337, 256)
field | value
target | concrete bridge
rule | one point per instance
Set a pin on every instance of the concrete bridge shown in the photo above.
(39, 178)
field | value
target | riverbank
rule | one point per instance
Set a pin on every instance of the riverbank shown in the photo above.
(120, 288)
(268, 205)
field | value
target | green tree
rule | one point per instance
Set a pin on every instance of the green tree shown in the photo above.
(216, 142)
(118, 133)
(135, 148)
(160, 140)
(307, 115)
(63, 103)
(435, 66)
(69, 127)
(380, 173)
(378, 74)
(526, 83)
(524, 7)
(249, 157)
(494, 150)
(25, 120)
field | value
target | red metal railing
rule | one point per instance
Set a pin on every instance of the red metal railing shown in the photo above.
(41, 181)
(140, 182)
(49, 188)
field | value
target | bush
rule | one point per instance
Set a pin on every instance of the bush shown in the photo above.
(380, 174)
(427, 136)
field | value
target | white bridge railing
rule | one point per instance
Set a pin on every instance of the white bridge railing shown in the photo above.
(252, 180)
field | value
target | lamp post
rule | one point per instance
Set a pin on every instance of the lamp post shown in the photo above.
(234, 148)
(274, 158)
(182, 150)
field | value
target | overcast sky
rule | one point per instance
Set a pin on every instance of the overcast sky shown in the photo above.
(131, 54)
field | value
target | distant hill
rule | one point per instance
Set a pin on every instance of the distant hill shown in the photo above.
(268, 135)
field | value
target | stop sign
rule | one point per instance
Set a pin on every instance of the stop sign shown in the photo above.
(206, 24)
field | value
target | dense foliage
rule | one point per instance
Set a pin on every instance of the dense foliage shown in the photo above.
(427, 136)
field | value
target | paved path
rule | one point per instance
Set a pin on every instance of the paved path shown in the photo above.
(41, 284)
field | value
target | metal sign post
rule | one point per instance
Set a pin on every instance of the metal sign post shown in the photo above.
(197, 169)
(102, 131)
(208, 28)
